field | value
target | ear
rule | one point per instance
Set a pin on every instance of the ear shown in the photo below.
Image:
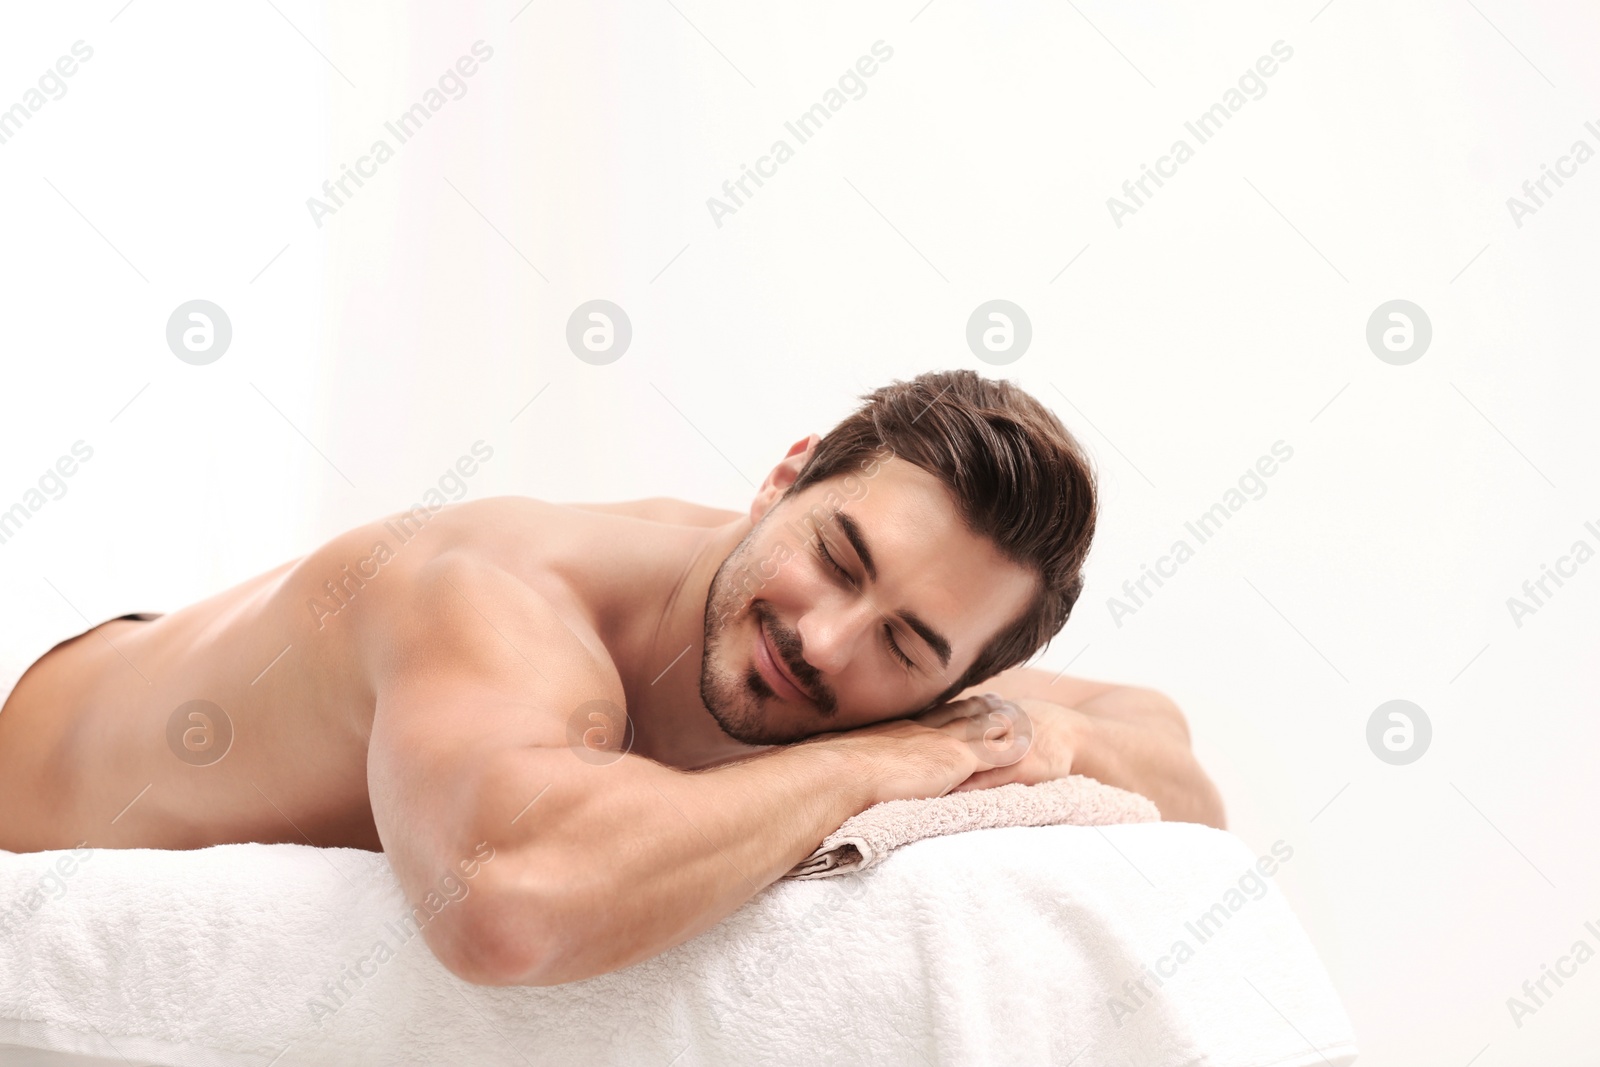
(783, 476)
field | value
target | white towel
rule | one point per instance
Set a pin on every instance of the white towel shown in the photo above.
(1005, 945)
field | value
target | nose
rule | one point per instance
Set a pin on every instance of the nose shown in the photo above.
(831, 633)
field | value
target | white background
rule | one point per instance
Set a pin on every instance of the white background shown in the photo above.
(1227, 314)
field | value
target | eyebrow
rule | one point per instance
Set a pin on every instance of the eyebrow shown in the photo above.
(936, 640)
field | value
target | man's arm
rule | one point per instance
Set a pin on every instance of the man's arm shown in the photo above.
(1127, 736)
(594, 863)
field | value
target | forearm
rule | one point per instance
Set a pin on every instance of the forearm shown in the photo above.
(616, 864)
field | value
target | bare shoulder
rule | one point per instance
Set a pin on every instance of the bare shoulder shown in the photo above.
(456, 600)
(1031, 683)
(1133, 703)
(461, 623)
(664, 509)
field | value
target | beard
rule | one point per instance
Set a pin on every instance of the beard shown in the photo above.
(733, 690)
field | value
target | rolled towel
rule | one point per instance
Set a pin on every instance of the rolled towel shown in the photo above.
(865, 839)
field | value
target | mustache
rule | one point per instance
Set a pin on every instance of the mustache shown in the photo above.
(788, 646)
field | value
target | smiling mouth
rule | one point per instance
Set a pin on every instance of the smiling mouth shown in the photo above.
(768, 653)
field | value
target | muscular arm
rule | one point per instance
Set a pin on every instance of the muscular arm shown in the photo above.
(1130, 737)
(594, 863)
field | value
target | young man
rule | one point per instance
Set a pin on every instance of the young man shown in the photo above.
(642, 713)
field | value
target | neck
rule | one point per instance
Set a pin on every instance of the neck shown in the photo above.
(653, 624)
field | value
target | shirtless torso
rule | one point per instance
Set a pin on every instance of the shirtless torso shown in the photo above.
(86, 730)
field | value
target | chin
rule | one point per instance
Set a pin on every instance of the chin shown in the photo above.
(740, 702)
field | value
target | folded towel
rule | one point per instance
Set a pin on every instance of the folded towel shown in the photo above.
(865, 839)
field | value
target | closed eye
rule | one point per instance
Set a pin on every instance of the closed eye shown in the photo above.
(822, 549)
(888, 631)
(888, 635)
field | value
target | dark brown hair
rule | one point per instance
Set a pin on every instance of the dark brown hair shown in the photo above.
(1017, 476)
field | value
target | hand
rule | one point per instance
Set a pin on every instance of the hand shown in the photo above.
(919, 756)
(1028, 741)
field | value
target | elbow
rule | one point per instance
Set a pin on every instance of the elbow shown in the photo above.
(1205, 802)
(496, 936)
(1197, 802)
(515, 930)
(475, 950)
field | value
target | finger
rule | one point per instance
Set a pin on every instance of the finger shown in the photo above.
(1001, 739)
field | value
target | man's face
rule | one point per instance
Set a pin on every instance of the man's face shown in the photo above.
(794, 648)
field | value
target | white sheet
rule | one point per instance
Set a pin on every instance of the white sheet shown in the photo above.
(995, 946)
